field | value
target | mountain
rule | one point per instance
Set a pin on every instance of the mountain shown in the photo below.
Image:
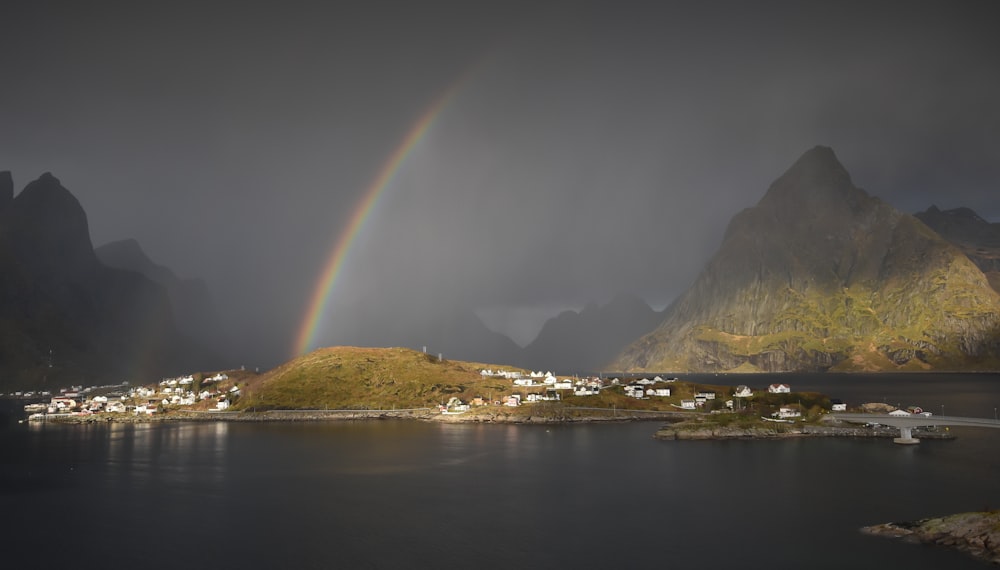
(590, 339)
(821, 276)
(194, 309)
(978, 239)
(66, 318)
(463, 335)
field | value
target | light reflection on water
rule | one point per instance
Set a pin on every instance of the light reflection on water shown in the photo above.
(407, 494)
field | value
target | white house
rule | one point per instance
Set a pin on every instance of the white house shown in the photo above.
(222, 404)
(705, 395)
(565, 385)
(513, 401)
(779, 389)
(786, 413)
(838, 406)
(662, 392)
(688, 404)
(899, 413)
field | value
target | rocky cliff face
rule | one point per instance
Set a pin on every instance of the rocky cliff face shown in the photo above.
(66, 318)
(818, 276)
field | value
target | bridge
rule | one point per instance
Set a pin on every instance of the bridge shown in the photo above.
(907, 423)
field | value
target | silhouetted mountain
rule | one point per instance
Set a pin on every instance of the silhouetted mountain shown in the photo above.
(978, 239)
(463, 336)
(6, 189)
(589, 340)
(820, 275)
(65, 317)
(194, 310)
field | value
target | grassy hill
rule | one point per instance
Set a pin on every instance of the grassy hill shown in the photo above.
(375, 378)
(398, 378)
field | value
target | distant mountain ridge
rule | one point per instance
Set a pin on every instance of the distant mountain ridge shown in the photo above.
(588, 340)
(64, 316)
(193, 307)
(978, 239)
(821, 276)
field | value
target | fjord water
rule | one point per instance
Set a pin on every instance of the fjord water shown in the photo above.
(398, 494)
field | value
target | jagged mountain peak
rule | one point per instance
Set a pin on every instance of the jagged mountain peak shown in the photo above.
(820, 275)
(817, 181)
(55, 224)
(960, 214)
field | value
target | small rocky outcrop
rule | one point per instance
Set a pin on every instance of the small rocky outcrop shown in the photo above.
(977, 534)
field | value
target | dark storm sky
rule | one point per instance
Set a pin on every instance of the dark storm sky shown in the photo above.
(592, 148)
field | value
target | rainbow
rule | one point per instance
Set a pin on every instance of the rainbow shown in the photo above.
(335, 262)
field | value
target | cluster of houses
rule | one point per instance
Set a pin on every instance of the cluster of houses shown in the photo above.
(140, 400)
(554, 387)
(642, 388)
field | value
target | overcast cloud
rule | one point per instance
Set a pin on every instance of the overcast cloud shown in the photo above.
(592, 148)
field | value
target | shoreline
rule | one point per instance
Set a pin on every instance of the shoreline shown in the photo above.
(976, 534)
(676, 428)
(418, 414)
(719, 433)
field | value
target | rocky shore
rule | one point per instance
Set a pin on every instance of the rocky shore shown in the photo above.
(563, 416)
(525, 416)
(268, 416)
(977, 534)
(786, 431)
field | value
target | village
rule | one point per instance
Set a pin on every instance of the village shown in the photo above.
(209, 392)
(216, 392)
(537, 386)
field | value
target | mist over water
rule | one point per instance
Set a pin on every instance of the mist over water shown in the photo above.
(407, 494)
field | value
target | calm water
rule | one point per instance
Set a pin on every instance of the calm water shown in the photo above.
(413, 495)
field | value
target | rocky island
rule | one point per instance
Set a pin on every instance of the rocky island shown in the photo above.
(977, 533)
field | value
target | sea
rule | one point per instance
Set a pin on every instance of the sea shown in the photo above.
(407, 494)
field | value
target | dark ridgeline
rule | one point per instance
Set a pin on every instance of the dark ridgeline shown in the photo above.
(64, 316)
(819, 275)
(461, 335)
(193, 307)
(978, 239)
(587, 341)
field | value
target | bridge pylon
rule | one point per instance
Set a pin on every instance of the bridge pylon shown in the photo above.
(905, 437)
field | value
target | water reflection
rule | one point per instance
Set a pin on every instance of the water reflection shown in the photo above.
(399, 494)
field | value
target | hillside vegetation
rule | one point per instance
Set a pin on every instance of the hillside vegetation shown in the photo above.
(821, 276)
(372, 378)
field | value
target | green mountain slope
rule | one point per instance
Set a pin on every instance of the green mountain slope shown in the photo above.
(821, 276)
